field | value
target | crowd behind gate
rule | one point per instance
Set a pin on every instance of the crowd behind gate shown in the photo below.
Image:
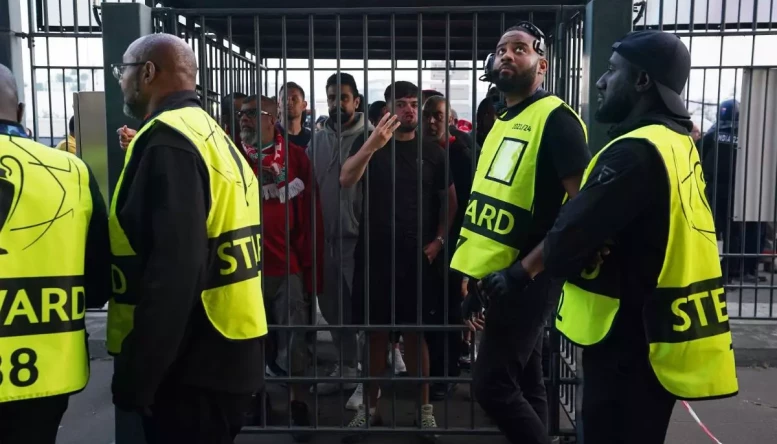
(541, 234)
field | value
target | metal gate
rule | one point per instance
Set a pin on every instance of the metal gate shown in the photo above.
(437, 48)
(254, 51)
(733, 64)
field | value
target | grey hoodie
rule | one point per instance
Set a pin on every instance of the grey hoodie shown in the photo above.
(327, 161)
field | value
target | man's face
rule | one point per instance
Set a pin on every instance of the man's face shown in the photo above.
(247, 114)
(294, 104)
(345, 107)
(134, 80)
(617, 93)
(516, 64)
(434, 117)
(383, 112)
(406, 110)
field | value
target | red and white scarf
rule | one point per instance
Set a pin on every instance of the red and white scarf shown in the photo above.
(273, 172)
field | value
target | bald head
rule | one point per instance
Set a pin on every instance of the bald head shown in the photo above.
(172, 56)
(10, 108)
(154, 67)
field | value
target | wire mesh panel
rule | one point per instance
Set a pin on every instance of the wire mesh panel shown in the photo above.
(265, 52)
(731, 98)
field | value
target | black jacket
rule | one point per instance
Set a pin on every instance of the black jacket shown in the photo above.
(626, 202)
(163, 207)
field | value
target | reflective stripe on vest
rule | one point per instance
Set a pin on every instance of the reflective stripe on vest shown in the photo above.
(501, 205)
(45, 210)
(686, 321)
(232, 296)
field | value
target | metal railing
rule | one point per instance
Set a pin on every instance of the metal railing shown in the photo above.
(734, 64)
(428, 46)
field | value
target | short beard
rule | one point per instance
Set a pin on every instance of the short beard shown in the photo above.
(614, 109)
(407, 128)
(132, 106)
(519, 83)
(249, 137)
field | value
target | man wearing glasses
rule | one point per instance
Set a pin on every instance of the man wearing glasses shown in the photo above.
(186, 316)
(287, 183)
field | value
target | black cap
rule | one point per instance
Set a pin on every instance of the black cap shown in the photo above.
(666, 60)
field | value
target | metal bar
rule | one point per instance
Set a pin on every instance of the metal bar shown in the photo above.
(760, 197)
(475, 157)
(48, 75)
(393, 210)
(382, 10)
(203, 53)
(258, 95)
(446, 206)
(420, 219)
(339, 132)
(287, 234)
(33, 77)
(367, 370)
(313, 215)
(378, 430)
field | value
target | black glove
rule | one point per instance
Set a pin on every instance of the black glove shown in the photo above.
(473, 303)
(509, 281)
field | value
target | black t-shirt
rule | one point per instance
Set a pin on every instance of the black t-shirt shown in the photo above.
(381, 189)
(563, 153)
(460, 163)
(301, 140)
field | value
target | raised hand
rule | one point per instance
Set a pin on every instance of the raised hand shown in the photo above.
(384, 131)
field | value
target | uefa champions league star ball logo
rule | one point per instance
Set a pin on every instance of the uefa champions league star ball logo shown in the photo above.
(8, 197)
(21, 228)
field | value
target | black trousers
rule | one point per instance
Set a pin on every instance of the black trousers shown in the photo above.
(194, 415)
(32, 421)
(508, 377)
(436, 340)
(623, 402)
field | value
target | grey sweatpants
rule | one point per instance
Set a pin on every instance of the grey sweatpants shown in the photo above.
(336, 276)
(286, 304)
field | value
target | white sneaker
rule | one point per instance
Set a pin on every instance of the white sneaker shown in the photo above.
(360, 418)
(427, 417)
(393, 355)
(357, 398)
(327, 388)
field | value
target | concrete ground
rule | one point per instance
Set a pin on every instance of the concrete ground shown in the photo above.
(751, 417)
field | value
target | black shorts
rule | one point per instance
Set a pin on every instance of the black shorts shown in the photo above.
(403, 284)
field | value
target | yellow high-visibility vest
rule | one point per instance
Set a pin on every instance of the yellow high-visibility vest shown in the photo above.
(501, 205)
(686, 321)
(45, 211)
(232, 296)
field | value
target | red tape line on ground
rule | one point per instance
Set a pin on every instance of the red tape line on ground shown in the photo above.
(701, 424)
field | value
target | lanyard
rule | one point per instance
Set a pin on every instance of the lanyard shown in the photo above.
(12, 130)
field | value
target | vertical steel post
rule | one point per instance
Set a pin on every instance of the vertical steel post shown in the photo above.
(123, 23)
(605, 22)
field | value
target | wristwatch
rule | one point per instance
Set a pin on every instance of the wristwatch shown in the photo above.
(442, 241)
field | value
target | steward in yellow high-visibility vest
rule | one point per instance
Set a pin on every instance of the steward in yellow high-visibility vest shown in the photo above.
(638, 246)
(535, 152)
(187, 315)
(53, 266)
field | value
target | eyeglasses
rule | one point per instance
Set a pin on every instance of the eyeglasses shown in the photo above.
(252, 113)
(119, 68)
